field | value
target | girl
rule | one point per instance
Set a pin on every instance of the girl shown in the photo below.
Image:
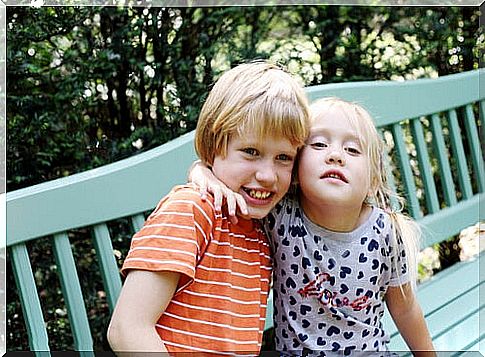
(340, 250)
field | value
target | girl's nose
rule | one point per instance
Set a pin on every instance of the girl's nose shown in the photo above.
(335, 157)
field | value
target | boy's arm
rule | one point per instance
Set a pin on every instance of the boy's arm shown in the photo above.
(409, 319)
(202, 176)
(144, 297)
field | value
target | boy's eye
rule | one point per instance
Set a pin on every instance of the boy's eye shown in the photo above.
(250, 151)
(285, 157)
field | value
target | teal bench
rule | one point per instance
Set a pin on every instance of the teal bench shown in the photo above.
(440, 172)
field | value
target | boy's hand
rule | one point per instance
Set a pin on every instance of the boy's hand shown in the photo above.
(203, 177)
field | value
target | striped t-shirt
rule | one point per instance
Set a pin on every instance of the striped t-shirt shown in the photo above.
(220, 301)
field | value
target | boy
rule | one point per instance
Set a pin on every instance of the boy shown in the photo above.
(196, 282)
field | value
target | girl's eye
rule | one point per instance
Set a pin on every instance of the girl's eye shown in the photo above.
(318, 145)
(353, 151)
(250, 151)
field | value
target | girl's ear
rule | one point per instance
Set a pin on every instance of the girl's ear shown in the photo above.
(372, 191)
(374, 183)
(370, 199)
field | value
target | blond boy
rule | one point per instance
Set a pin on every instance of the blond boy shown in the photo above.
(195, 281)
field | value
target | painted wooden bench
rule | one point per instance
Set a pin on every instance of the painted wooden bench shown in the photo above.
(440, 171)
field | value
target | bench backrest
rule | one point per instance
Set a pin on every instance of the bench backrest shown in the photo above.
(431, 126)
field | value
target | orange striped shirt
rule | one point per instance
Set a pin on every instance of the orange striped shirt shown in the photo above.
(220, 302)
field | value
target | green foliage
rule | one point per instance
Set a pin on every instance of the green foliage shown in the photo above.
(90, 85)
(84, 82)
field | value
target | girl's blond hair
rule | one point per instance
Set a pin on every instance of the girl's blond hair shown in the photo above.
(380, 194)
(257, 97)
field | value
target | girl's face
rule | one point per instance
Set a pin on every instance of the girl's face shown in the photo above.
(334, 168)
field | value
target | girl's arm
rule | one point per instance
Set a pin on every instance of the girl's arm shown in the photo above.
(202, 176)
(408, 317)
(144, 297)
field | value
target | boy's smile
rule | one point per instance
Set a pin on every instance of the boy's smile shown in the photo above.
(257, 195)
(258, 170)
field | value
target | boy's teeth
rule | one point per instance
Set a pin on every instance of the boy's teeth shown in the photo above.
(259, 194)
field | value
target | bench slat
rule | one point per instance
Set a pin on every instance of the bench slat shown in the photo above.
(477, 345)
(455, 280)
(137, 222)
(447, 184)
(482, 108)
(452, 313)
(456, 338)
(71, 290)
(474, 144)
(455, 317)
(406, 171)
(268, 323)
(27, 290)
(451, 220)
(462, 278)
(107, 263)
(424, 163)
(459, 153)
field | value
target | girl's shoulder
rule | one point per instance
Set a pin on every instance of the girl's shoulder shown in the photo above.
(282, 212)
(286, 205)
(381, 215)
(380, 222)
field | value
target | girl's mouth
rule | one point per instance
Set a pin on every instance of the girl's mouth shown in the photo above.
(334, 174)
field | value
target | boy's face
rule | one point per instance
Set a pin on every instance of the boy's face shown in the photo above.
(259, 171)
(334, 168)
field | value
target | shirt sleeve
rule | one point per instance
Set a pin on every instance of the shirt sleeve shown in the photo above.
(174, 236)
(399, 261)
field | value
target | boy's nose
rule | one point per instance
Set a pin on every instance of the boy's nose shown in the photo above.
(266, 174)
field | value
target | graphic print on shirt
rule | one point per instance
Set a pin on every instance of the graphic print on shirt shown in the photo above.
(316, 288)
(329, 287)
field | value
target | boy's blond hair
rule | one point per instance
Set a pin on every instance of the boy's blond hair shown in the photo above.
(257, 97)
(380, 195)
